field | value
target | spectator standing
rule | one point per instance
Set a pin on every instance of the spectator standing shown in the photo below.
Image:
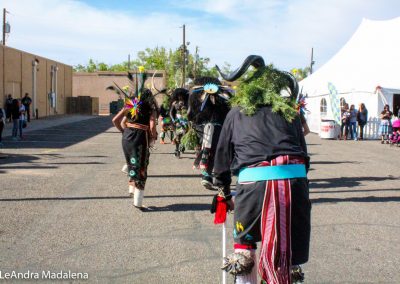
(362, 118)
(345, 119)
(9, 103)
(22, 119)
(27, 101)
(15, 117)
(386, 124)
(2, 123)
(353, 122)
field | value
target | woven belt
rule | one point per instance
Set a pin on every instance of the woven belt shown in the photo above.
(272, 173)
(137, 126)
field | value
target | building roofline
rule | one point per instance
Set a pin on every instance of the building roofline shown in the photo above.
(36, 56)
(115, 73)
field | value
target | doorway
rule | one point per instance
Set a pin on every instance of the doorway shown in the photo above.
(13, 89)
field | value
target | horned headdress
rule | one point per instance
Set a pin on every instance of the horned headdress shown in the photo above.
(264, 86)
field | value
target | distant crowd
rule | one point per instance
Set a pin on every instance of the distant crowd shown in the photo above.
(353, 122)
(350, 117)
(16, 111)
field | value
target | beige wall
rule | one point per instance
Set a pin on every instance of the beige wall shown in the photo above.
(12, 72)
(41, 88)
(95, 84)
(16, 79)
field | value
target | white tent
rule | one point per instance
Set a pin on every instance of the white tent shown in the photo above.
(366, 70)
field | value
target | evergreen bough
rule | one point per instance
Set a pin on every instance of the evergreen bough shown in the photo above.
(262, 87)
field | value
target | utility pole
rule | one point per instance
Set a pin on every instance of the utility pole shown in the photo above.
(195, 62)
(129, 62)
(4, 26)
(312, 60)
(184, 57)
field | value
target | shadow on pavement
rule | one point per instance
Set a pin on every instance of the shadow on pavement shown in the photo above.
(76, 163)
(188, 158)
(356, 199)
(180, 196)
(61, 136)
(61, 156)
(176, 176)
(21, 161)
(356, 190)
(172, 153)
(101, 198)
(178, 207)
(345, 181)
(63, 198)
(333, 162)
(32, 167)
(17, 159)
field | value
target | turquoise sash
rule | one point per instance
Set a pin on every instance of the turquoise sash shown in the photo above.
(272, 173)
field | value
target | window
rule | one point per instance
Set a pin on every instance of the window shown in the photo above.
(323, 108)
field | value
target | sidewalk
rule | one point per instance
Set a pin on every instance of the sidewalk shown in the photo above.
(38, 124)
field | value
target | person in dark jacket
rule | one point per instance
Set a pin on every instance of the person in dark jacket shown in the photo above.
(9, 105)
(362, 119)
(27, 101)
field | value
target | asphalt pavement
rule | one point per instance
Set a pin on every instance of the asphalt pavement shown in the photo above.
(64, 206)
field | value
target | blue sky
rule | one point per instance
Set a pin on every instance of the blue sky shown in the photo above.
(282, 31)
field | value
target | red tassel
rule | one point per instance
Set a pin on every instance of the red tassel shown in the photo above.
(220, 211)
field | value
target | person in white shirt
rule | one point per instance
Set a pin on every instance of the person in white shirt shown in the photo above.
(21, 118)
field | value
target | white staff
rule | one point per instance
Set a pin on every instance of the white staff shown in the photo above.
(233, 193)
(223, 251)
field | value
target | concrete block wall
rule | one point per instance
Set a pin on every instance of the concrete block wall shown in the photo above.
(16, 78)
(95, 84)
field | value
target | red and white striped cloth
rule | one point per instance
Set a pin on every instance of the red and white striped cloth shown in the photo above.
(275, 254)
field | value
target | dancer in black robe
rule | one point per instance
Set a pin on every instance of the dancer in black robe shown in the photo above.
(139, 116)
(178, 113)
(262, 142)
(208, 105)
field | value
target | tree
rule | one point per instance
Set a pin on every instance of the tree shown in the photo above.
(159, 58)
(91, 67)
(79, 68)
(122, 67)
(300, 73)
(102, 67)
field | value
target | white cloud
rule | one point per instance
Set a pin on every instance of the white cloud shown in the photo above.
(226, 30)
(73, 32)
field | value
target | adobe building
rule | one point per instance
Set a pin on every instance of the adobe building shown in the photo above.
(47, 82)
(95, 85)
